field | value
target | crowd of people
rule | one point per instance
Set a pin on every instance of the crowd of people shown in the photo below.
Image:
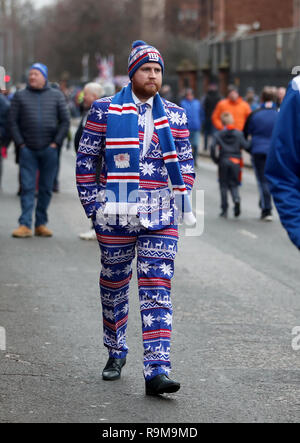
(37, 117)
(230, 125)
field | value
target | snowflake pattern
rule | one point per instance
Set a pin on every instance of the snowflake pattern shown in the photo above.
(167, 369)
(167, 319)
(184, 119)
(102, 220)
(107, 272)
(148, 320)
(144, 267)
(132, 229)
(175, 118)
(125, 309)
(121, 338)
(166, 269)
(163, 171)
(115, 352)
(187, 169)
(167, 215)
(148, 169)
(106, 227)
(108, 314)
(146, 223)
(148, 371)
(127, 270)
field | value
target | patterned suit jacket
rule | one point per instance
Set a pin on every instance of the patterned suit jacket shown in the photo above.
(156, 200)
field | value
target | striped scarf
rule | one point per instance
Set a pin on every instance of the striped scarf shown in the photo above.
(123, 156)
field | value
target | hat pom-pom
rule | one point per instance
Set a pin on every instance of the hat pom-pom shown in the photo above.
(138, 43)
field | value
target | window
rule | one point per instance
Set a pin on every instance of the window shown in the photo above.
(188, 15)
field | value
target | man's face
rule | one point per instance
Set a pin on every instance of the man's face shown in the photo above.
(233, 96)
(281, 94)
(88, 98)
(250, 95)
(189, 96)
(147, 80)
(36, 79)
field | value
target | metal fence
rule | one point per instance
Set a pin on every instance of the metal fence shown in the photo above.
(262, 58)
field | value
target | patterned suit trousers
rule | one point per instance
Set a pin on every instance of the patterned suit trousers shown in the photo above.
(156, 251)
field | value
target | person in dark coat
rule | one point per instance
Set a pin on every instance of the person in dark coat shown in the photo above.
(209, 103)
(259, 126)
(230, 143)
(92, 92)
(39, 121)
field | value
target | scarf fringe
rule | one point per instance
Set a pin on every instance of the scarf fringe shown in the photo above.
(120, 208)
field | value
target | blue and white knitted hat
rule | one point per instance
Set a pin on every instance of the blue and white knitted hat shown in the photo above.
(42, 68)
(143, 53)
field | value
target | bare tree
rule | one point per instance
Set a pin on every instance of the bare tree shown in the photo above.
(72, 28)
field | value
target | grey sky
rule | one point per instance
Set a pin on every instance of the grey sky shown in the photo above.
(41, 3)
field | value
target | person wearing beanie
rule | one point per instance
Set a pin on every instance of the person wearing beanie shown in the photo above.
(39, 122)
(41, 68)
(137, 141)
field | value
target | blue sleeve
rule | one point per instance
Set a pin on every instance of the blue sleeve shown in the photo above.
(91, 150)
(184, 152)
(283, 163)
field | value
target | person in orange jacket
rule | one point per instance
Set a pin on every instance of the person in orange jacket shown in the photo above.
(236, 106)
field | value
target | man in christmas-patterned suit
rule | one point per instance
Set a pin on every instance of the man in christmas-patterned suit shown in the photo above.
(132, 144)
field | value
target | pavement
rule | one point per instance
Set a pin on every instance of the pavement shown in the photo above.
(235, 298)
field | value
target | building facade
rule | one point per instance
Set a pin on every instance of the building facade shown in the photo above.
(247, 42)
(203, 19)
(152, 14)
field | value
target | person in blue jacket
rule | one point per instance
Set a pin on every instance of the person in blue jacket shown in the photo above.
(195, 115)
(260, 126)
(283, 163)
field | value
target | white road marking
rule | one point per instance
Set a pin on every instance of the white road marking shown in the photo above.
(2, 339)
(248, 234)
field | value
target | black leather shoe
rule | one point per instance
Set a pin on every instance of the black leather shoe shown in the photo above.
(113, 368)
(237, 209)
(161, 384)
